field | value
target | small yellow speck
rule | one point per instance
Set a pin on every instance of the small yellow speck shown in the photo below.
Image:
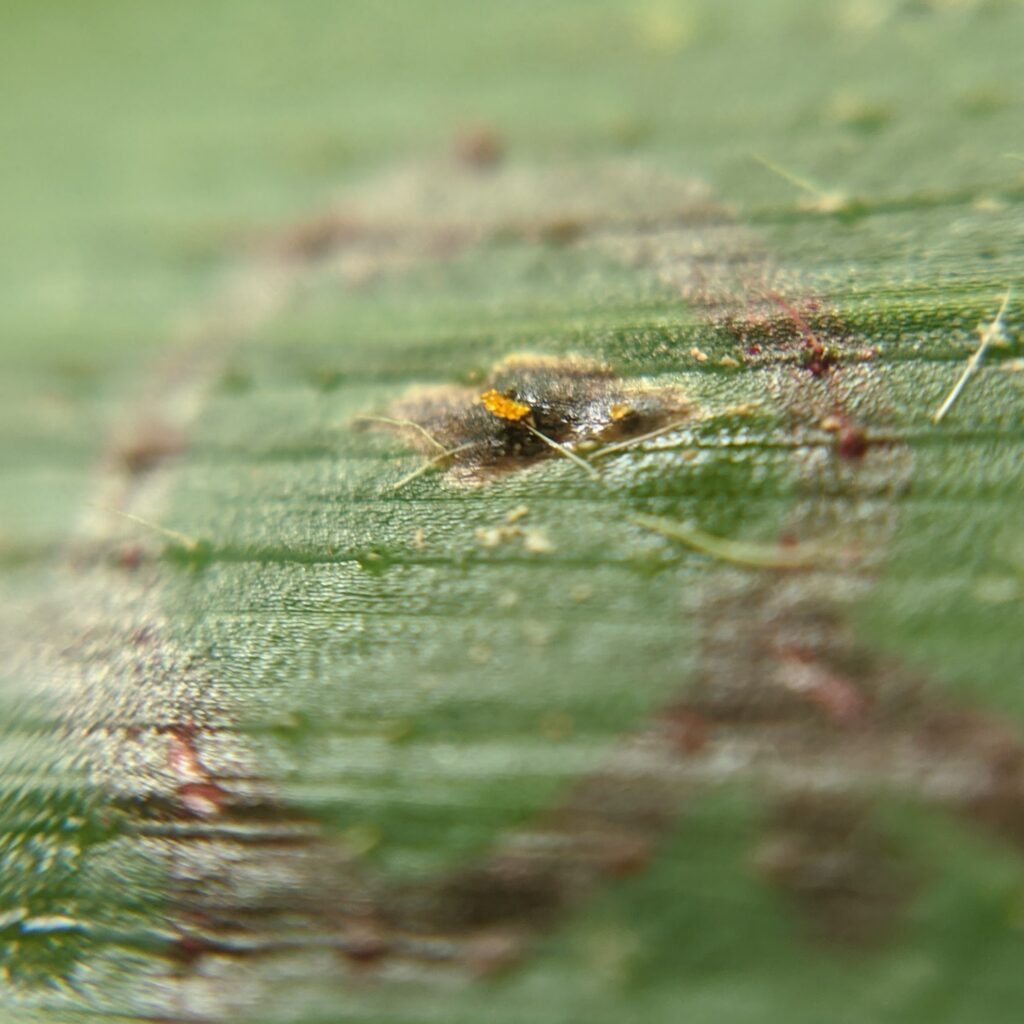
(619, 412)
(419, 539)
(664, 28)
(833, 201)
(988, 204)
(701, 357)
(743, 409)
(515, 514)
(503, 407)
(729, 362)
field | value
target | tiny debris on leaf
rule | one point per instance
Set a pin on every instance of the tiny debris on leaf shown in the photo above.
(537, 542)
(991, 334)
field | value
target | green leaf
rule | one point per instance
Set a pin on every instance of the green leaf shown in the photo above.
(665, 668)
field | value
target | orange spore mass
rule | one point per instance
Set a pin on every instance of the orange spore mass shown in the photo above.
(503, 407)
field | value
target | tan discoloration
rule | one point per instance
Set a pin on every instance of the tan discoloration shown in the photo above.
(537, 542)
(495, 536)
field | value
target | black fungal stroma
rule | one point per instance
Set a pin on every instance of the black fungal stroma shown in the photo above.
(527, 401)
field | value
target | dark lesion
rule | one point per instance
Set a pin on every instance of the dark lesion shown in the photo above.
(524, 408)
(851, 883)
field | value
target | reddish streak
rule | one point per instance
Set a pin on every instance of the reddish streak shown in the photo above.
(820, 362)
(203, 799)
(687, 731)
(833, 694)
(184, 760)
(198, 792)
(852, 442)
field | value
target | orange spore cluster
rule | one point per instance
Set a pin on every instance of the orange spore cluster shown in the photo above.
(503, 407)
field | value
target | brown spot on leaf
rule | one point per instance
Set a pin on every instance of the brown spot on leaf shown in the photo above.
(315, 237)
(848, 880)
(186, 950)
(479, 148)
(493, 427)
(509, 890)
(852, 442)
(560, 231)
(687, 731)
(149, 444)
(129, 557)
(491, 953)
(833, 693)
(365, 945)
